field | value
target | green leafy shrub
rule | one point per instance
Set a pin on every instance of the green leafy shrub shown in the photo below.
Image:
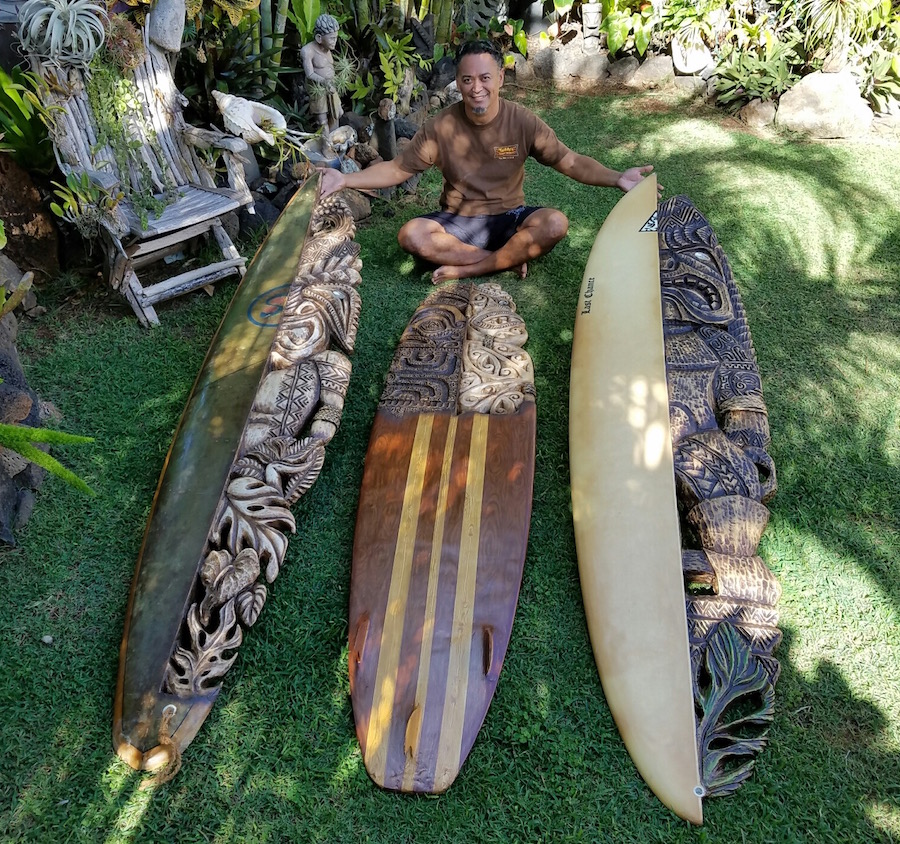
(24, 121)
(627, 24)
(765, 74)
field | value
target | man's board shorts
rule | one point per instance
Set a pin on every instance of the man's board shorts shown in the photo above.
(486, 231)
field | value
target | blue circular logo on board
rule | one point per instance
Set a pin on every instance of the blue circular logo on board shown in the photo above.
(265, 310)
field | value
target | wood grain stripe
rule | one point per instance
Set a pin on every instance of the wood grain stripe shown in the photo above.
(389, 658)
(448, 758)
(431, 598)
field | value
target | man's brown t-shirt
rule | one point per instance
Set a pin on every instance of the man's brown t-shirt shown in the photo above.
(483, 166)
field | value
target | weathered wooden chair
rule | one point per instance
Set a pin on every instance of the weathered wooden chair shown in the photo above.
(182, 157)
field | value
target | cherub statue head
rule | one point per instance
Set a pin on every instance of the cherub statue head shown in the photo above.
(325, 31)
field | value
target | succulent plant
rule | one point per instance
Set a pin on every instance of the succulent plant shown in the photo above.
(62, 33)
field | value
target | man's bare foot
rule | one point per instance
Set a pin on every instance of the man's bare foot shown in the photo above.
(448, 272)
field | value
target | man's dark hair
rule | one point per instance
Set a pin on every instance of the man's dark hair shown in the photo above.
(476, 48)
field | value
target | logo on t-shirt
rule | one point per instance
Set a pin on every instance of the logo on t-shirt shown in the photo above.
(507, 152)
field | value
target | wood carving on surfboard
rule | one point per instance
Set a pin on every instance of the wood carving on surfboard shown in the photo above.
(441, 535)
(723, 477)
(662, 355)
(250, 442)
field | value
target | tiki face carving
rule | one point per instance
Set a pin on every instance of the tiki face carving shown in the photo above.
(692, 270)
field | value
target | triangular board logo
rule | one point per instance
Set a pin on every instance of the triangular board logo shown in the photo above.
(650, 225)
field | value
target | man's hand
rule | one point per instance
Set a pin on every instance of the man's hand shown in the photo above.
(634, 176)
(331, 181)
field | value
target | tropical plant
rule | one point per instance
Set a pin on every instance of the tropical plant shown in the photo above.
(62, 33)
(691, 20)
(395, 57)
(21, 439)
(744, 75)
(302, 14)
(124, 43)
(627, 23)
(216, 56)
(117, 109)
(86, 205)
(830, 25)
(24, 121)
(879, 59)
(9, 302)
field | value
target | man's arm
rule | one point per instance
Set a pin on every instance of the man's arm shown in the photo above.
(385, 174)
(589, 171)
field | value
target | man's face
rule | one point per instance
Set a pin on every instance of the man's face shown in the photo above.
(478, 79)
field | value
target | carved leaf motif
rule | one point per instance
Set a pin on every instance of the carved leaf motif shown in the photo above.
(737, 702)
(250, 604)
(292, 466)
(199, 670)
(255, 515)
(225, 578)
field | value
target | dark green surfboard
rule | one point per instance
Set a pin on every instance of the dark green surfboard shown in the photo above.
(190, 487)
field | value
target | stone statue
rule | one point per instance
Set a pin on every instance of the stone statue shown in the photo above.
(318, 65)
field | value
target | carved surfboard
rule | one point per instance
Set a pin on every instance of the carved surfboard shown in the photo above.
(624, 505)
(441, 534)
(243, 452)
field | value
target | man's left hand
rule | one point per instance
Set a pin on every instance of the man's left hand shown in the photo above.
(634, 176)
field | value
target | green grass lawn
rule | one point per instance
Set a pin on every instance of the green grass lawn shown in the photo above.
(813, 234)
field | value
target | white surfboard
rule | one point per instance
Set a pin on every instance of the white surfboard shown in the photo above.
(623, 497)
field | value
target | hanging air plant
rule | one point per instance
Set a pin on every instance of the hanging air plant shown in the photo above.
(63, 33)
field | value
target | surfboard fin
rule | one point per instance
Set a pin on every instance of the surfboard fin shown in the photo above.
(413, 730)
(487, 649)
(359, 640)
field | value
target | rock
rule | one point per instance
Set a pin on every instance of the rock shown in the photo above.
(451, 94)
(654, 72)
(359, 204)
(825, 105)
(405, 127)
(565, 62)
(360, 122)
(622, 71)
(443, 74)
(691, 85)
(266, 214)
(47, 640)
(758, 114)
(364, 154)
(33, 238)
(231, 224)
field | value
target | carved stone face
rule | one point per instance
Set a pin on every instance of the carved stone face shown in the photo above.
(328, 41)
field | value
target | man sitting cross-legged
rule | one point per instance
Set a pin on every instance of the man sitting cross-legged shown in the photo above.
(480, 146)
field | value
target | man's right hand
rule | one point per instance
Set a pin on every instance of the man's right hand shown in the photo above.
(331, 181)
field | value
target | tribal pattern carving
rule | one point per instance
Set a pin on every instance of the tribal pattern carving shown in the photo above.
(296, 412)
(462, 351)
(724, 476)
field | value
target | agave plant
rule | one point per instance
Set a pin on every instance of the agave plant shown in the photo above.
(62, 33)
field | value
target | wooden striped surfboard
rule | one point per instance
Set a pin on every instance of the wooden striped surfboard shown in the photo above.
(624, 507)
(441, 535)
